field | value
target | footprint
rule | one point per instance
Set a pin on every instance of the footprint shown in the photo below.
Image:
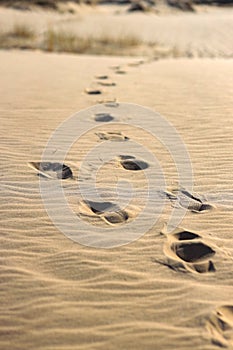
(103, 117)
(220, 326)
(115, 67)
(102, 77)
(195, 204)
(93, 91)
(188, 201)
(109, 212)
(136, 64)
(112, 104)
(134, 165)
(186, 249)
(112, 136)
(52, 170)
(109, 103)
(120, 71)
(106, 83)
(131, 163)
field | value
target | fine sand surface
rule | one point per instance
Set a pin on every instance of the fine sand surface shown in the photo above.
(163, 291)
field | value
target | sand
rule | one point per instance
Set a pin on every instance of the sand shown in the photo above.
(205, 33)
(166, 290)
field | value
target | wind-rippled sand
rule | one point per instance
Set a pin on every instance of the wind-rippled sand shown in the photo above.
(157, 292)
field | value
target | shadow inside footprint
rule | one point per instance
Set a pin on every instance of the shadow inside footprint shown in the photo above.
(186, 235)
(117, 217)
(102, 77)
(189, 195)
(103, 117)
(134, 164)
(192, 203)
(52, 170)
(192, 252)
(188, 201)
(93, 91)
(100, 207)
(204, 267)
(108, 212)
(107, 83)
(205, 206)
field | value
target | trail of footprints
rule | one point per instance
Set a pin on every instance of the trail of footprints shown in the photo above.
(185, 248)
(185, 251)
(104, 80)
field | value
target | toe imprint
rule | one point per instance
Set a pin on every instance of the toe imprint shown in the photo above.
(185, 235)
(192, 252)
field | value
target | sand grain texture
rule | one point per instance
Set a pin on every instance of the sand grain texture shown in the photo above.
(58, 295)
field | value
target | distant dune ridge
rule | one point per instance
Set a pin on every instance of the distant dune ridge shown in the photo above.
(54, 4)
(112, 30)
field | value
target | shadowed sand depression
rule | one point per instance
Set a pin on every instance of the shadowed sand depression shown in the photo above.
(158, 292)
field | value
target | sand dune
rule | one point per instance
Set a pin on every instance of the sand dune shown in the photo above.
(205, 33)
(163, 291)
